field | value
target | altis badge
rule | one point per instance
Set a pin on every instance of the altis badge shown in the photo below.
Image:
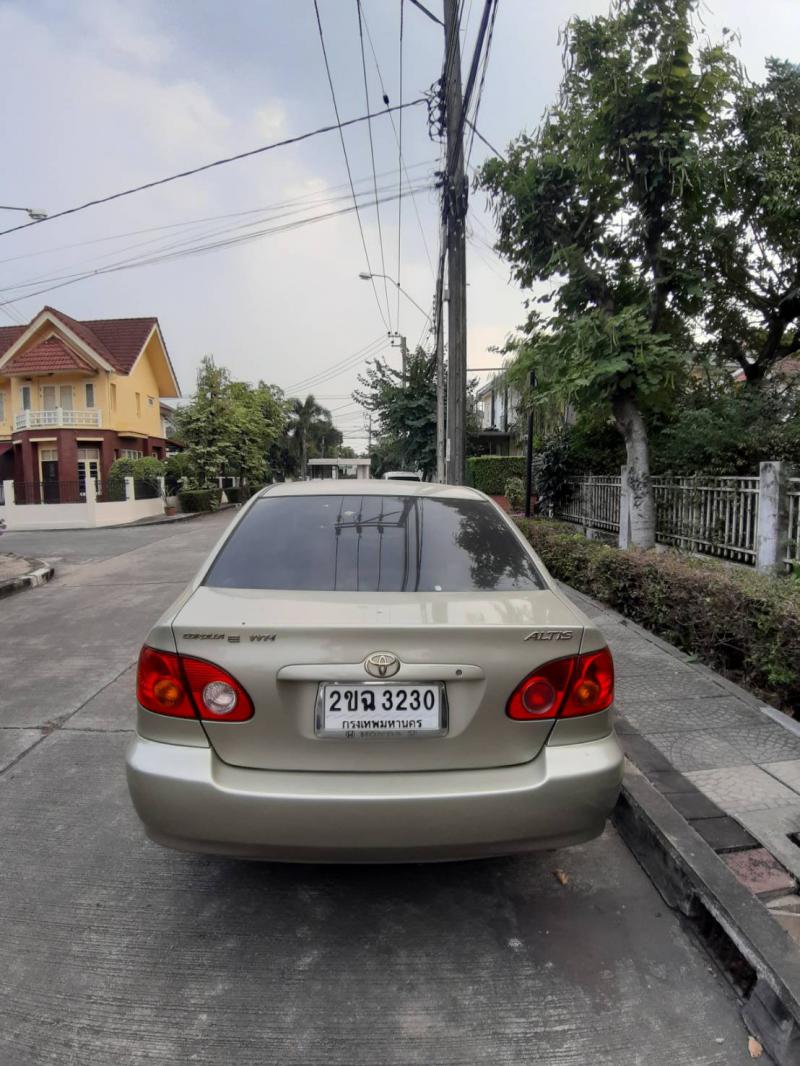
(550, 634)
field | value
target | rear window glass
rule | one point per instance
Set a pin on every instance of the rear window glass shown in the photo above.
(372, 544)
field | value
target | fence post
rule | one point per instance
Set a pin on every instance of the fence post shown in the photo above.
(162, 489)
(624, 538)
(10, 501)
(130, 492)
(91, 502)
(773, 517)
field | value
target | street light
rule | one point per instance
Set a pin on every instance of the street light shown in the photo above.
(365, 276)
(34, 213)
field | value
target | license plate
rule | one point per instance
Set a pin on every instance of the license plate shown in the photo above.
(355, 712)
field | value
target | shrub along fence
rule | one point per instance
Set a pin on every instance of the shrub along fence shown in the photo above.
(489, 473)
(750, 520)
(743, 624)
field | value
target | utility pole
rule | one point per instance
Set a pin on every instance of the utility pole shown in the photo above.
(403, 352)
(440, 411)
(455, 205)
(529, 450)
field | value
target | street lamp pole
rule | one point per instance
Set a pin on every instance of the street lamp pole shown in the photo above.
(34, 213)
(368, 277)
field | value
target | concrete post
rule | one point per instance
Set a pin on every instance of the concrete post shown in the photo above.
(624, 538)
(773, 517)
(335, 473)
(91, 502)
(130, 493)
(8, 496)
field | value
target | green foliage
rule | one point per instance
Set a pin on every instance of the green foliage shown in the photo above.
(121, 468)
(177, 468)
(743, 624)
(193, 500)
(489, 473)
(229, 426)
(147, 472)
(514, 492)
(406, 413)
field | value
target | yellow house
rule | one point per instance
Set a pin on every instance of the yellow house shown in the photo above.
(75, 396)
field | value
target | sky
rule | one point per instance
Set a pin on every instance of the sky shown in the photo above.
(97, 96)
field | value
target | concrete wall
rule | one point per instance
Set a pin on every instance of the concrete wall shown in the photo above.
(77, 515)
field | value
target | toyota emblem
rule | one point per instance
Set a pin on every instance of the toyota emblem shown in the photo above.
(382, 664)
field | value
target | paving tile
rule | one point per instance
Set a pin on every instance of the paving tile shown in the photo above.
(723, 834)
(790, 922)
(697, 750)
(13, 742)
(765, 742)
(786, 771)
(759, 872)
(642, 753)
(710, 713)
(667, 687)
(693, 805)
(743, 788)
(669, 781)
(772, 828)
(647, 664)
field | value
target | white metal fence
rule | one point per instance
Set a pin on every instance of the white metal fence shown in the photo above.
(792, 557)
(707, 515)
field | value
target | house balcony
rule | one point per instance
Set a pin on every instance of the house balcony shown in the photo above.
(58, 418)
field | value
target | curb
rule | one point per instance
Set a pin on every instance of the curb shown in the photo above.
(695, 881)
(38, 576)
(141, 524)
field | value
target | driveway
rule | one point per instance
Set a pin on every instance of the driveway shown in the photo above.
(116, 951)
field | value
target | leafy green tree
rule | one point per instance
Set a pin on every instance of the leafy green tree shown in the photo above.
(406, 413)
(259, 415)
(309, 423)
(597, 204)
(748, 251)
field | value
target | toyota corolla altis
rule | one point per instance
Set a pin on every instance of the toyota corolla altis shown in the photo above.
(373, 671)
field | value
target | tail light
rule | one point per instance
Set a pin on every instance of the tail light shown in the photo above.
(565, 688)
(184, 687)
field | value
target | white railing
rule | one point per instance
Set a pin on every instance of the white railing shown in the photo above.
(709, 515)
(593, 502)
(792, 557)
(58, 417)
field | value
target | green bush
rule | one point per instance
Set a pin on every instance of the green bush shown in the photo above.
(743, 624)
(178, 467)
(193, 500)
(514, 492)
(489, 473)
(120, 469)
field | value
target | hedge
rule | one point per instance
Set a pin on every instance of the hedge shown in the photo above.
(743, 624)
(242, 493)
(489, 473)
(193, 500)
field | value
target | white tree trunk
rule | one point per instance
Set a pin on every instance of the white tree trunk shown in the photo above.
(641, 504)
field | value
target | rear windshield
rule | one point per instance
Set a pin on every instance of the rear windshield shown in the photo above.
(371, 544)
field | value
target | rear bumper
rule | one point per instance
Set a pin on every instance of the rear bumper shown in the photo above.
(188, 799)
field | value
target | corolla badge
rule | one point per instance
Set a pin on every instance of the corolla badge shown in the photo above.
(382, 664)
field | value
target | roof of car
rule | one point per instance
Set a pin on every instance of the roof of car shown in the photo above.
(365, 487)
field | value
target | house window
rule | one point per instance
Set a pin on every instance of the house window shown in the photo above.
(113, 397)
(25, 394)
(151, 401)
(129, 453)
(49, 397)
(90, 395)
(2, 407)
(65, 397)
(138, 405)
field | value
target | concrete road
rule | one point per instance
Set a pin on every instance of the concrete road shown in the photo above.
(114, 951)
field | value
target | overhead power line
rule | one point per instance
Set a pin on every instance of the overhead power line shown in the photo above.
(347, 163)
(338, 125)
(400, 166)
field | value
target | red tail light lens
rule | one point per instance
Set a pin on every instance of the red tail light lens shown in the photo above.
(565, 688)
(217, 696)
(160, 685)
(183, 687)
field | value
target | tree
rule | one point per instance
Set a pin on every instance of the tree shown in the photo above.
(598, 204)
(308, 427)
(229, 426)
(749, 253)
(406, 413)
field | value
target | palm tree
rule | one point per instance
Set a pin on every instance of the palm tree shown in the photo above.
(306, 414)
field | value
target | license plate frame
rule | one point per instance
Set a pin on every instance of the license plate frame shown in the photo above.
(321, 728)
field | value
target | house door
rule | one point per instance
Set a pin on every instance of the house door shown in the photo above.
(88, 467)
(50, 487)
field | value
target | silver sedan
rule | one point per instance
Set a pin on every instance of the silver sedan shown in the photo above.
(370, 671)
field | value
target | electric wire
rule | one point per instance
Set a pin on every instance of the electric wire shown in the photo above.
(479, 94)
(372, 160)
(347, 161)
(400, 166)
(338, 125)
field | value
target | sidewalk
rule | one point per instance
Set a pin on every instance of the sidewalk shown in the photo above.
(726, 762)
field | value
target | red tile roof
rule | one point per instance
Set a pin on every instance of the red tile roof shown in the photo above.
(50, 354)
(116, 340)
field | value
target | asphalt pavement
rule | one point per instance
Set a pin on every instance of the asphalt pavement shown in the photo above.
(113, 950)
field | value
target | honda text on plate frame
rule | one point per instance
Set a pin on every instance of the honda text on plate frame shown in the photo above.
(373, 671)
